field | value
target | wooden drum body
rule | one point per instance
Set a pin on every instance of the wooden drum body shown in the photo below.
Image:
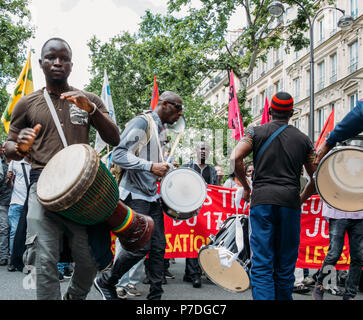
(78, 186)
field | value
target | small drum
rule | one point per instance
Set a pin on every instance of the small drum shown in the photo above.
(183, 192)
(78, 186)
(234, 278)
(339, 178)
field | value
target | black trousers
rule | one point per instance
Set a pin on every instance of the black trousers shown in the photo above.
(155, 248)
(192, 268)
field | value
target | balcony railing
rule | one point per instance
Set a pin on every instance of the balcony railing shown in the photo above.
(353, 66)
(333, 78)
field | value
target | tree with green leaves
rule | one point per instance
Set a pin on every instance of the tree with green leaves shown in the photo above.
(260, 32)
(164, 48)
(15, 30)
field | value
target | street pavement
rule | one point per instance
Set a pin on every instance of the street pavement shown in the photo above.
(17, 286)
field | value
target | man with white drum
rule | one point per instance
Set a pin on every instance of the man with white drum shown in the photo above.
(192, 271)
(140, 156)
(34, 134)
(279, 153)
(341, 222)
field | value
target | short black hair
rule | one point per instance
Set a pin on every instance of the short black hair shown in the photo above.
(56, 39)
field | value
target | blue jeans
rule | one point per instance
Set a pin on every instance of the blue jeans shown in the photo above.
(337, 230)
(274, 242)
(15, 211)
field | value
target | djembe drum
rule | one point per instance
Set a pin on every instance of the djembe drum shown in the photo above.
(78, 186)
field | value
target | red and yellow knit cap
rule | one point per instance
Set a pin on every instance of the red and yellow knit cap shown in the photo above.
(282, 101)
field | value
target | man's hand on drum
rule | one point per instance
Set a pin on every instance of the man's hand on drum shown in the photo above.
(160, 169)
(79, 99)
(26, 138)
(321, 152)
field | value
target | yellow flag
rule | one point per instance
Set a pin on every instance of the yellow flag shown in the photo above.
(24, 86)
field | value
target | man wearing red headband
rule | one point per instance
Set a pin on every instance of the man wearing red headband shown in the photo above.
(275, 206)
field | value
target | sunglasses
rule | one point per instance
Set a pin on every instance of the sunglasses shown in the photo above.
(176, 106)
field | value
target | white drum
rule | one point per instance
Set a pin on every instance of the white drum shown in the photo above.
(183, 192)
(339, 178)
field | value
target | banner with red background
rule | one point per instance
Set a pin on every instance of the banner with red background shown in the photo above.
(184, 238)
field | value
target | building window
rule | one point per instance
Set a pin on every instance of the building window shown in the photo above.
(297, 89)
(321, 119)
(333, 66)
(321, 30)
(334, 22)
(353, 99)
(353, 55)
(297, 123)
(354, 8)
(321, 68)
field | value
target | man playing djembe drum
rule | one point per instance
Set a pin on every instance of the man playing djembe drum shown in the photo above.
(140, 155)
(34, 134)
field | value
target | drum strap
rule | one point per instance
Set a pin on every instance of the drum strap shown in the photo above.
(268, 141)
(55, 117)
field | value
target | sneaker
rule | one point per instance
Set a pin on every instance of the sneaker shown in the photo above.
(67, 273)
(60, 276)
(301, 289)
(318, 292)
(3, 262)
(121, 293)
(131, 290)
(168, 275)
(336, 291)
(308, 281)
(107, 292)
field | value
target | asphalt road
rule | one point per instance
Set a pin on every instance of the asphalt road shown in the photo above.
(15, 286)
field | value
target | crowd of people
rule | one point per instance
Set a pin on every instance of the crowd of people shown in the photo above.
(50, 242)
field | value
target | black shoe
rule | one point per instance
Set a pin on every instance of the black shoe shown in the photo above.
(187, 279)
(107, 292)
(60, 276)
(3, 262)
(11, 268)
(197, 282)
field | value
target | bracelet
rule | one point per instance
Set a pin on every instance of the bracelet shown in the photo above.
(94, 110)
(21, 153)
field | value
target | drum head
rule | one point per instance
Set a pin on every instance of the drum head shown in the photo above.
(183, 190)
(62, 172)
(234, 278)
(339, 178)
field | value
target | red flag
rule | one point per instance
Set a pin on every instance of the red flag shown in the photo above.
(155, 95)
(265, 115)
(234, 115)
(328, 126)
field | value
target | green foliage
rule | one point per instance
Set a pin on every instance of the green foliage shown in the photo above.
(15, 30)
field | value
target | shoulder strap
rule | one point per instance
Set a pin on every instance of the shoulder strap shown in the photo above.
(55, 117)
(25, 175)
(268, 141)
